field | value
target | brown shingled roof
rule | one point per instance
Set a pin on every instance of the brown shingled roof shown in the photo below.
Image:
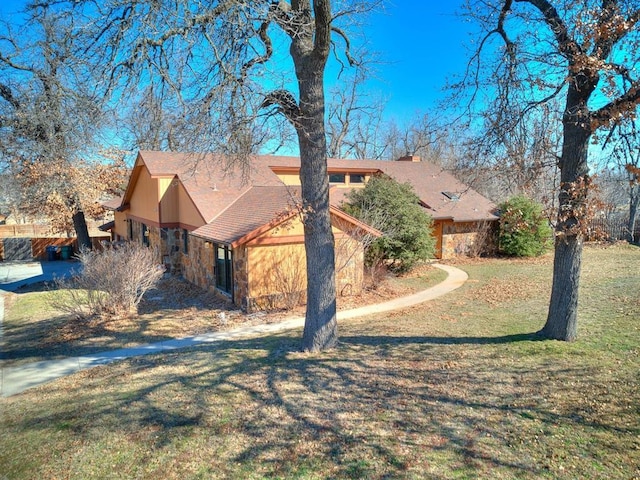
(257, 207)
(113, 203)
(210, 182)
(430, 183)
(234, 202)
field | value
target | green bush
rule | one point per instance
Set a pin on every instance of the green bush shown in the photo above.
(394, 209)
(524, 229)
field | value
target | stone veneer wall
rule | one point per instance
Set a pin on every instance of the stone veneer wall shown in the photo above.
(172, 245)
(460, 238)
(153, 236)
(241, 278)
(167, 242)
(197, 264)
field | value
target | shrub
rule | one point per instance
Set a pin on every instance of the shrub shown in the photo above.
(524, 229)
(394, 209)
(112, 281)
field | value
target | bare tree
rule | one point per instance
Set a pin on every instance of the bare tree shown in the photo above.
(626, 153)
(354, 121)
(581, 51)
(522, 162)
(49, 111)
(225, 65)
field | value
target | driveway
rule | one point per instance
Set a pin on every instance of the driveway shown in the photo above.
(13, 275)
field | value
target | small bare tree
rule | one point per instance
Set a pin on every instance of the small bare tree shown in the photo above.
(110, 282)
(626, 153)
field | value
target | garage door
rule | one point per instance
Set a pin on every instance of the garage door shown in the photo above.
(17, 249)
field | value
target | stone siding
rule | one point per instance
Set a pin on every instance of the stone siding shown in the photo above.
(197, 264)
(462, 238)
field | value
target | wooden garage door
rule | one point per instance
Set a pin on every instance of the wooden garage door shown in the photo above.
(17, 249)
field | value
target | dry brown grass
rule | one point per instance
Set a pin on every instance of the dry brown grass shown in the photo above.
(34, 330)
(459, 388)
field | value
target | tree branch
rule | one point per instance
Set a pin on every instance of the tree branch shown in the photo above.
(285, 103)
(568, 46)
(618, 108)
(5, 92)
(612, 28)
(352, 61)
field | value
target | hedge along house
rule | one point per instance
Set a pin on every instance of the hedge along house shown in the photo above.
(235, 231)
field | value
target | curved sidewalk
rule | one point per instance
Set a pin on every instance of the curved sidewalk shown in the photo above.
(14, 380)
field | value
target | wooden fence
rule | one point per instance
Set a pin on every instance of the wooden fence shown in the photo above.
(26, 242)
(616, 228)
(29, 231)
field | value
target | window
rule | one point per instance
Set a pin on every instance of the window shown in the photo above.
(224, 274)
(336, 178)
(185, 241)
(356, 178)
(130, 222)
(145, 235)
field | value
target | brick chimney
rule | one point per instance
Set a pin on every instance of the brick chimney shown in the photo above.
(410, 158)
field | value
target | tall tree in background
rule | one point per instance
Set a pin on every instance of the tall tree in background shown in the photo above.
(581, 51)
(227, 65)
(354, 121)
(49, 113)
(523, 160)
(626, 153)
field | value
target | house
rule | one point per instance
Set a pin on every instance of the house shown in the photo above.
(238, 230)
(460, 214)
(234, 230)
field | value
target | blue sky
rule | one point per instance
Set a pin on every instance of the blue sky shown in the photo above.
(420, 45)
(423, 43)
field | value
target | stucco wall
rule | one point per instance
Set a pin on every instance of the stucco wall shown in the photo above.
(144, 202)
(277, 273)
(275, 276)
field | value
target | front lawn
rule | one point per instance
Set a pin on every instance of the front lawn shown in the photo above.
(35, 330)
(457, 388)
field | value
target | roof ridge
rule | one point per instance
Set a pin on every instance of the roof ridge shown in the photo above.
(251, 187)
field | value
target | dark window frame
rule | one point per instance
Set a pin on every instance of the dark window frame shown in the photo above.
(145, 234)
(185, 241)
(343, 177)
(224, 268)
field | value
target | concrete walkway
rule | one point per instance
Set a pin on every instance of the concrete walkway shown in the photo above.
(14, 380)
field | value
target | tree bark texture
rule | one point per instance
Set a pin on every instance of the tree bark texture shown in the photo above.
(310, 51)
(82, 231)
(562, 319)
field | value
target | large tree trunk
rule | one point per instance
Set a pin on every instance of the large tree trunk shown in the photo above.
(309, 55)
(82, 231)
(79, 222)
(562, 319)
